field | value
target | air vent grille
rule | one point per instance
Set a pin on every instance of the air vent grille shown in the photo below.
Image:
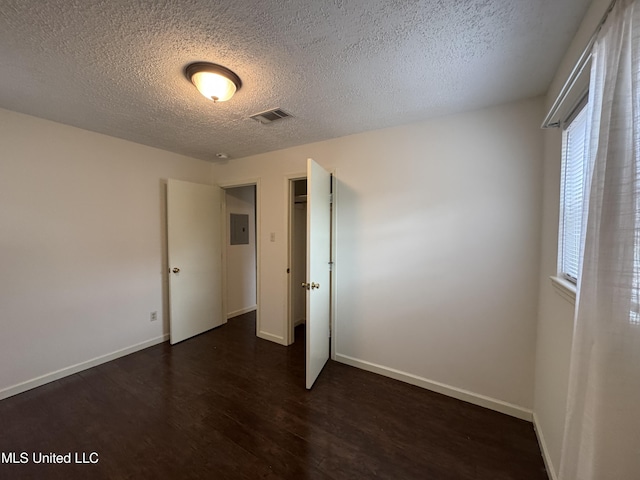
(270, 116)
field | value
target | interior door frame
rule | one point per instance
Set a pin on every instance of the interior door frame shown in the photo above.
(255, 182)
(288, 192)
(289, 199)
(334, 268)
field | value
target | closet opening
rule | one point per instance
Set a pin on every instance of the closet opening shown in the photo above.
(297, 259)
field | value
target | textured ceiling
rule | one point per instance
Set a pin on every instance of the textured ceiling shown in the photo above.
(338, 66)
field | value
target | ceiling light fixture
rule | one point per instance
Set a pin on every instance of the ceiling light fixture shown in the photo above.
(215, 82)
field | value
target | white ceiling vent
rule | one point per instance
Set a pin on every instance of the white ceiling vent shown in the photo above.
(270, 116)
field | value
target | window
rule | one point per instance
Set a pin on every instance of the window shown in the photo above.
(574, 157)
(573, 188)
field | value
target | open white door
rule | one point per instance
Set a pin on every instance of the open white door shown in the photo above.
(195, 261)
(318, 265)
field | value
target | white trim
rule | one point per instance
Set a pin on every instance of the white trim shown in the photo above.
(79, 367)
(334, 268)
(224, 232)
(242, 311)
(564, 288)
(239, 183)
(258, 252)
(272, 338)
(548, 464)
(465, 395)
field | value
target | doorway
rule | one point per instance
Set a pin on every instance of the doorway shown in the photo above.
(240, 250)
(297, 256)
(242, 229)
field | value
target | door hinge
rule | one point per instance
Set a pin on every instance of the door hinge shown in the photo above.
(331, 198)
(331, 266)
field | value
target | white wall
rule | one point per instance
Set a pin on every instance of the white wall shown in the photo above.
(241, 259)
(82, 243)
(555, 324)
(438, 227)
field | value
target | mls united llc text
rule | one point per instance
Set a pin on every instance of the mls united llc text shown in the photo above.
(39, 457)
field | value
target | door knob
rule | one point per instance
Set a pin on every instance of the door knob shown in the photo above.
(175, 270)
(314, 285)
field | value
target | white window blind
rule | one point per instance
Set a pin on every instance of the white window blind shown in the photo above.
(574, 156)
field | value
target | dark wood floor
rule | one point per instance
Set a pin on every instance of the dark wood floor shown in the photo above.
(226, 405)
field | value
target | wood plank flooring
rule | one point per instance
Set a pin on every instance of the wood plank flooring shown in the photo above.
(227, 405)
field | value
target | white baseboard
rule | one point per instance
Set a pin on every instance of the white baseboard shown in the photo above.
(242, 311)
(64, 372)
(465, 395)
(551, 471)
(272, 338)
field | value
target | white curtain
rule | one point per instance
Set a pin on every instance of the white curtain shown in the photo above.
(602, 431)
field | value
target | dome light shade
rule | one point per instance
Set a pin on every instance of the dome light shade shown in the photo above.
(214, 86)
(215, 82)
